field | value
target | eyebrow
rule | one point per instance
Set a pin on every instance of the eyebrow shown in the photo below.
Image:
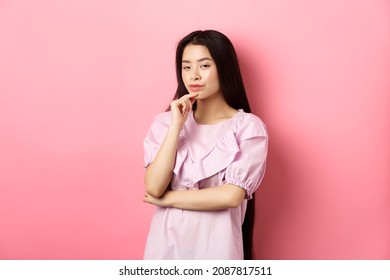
(199, 60)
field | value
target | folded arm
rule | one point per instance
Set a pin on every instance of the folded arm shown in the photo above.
(209, 199)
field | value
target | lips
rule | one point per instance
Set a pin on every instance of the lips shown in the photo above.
(195, 88)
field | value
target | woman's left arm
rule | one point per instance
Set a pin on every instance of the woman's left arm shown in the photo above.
(209, 199)
(246, 170)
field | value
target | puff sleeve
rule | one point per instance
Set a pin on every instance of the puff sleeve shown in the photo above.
(155, 137)
(248, 167)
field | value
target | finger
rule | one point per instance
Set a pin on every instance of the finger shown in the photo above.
(191, 95)
(185, 114)
(189, 105)
(176, 105)
(185, 102)
(147, 199)
(184, 107)
(192, 100)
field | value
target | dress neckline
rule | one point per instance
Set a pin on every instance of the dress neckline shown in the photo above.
(217, 124)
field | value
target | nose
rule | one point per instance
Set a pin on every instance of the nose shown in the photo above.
(195, 76)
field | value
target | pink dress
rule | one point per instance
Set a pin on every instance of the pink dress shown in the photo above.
(231, 152)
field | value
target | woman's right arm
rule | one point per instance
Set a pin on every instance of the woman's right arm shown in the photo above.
(159, 173)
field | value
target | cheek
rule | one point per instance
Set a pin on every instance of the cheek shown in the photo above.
(214, 78)
(186, 78)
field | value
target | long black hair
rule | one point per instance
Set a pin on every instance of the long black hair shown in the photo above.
(232, 86)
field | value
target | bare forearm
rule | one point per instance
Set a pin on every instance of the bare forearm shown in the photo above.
(215, 198)
(159, 172)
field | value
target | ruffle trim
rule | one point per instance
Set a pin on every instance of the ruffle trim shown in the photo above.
(226, 147)
(240, 183)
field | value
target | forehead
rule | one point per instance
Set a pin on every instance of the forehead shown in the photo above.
(195, 52)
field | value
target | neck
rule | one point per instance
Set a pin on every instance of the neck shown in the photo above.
(213, 110)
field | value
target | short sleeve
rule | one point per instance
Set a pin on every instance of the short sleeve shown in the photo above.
(248, 168)
(155, 137)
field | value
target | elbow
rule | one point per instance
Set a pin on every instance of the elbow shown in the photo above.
(155, 185)
(153, 191)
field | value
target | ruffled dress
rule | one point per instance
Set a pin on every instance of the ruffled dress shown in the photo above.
(231, 152)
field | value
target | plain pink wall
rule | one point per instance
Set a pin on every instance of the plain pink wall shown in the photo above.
(80, 82)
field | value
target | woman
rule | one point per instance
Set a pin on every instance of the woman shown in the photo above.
(204, 157)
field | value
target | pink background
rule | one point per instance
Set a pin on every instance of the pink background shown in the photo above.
(80, 82)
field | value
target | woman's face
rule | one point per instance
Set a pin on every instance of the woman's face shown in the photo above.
(199, 72)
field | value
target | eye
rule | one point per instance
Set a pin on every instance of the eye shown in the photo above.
(186, 68)
(205, 66)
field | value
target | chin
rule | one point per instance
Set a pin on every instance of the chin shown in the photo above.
(201, 95)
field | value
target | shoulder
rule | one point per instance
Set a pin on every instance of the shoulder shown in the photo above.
(249, 125)
(162, 119)
(159, 124)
